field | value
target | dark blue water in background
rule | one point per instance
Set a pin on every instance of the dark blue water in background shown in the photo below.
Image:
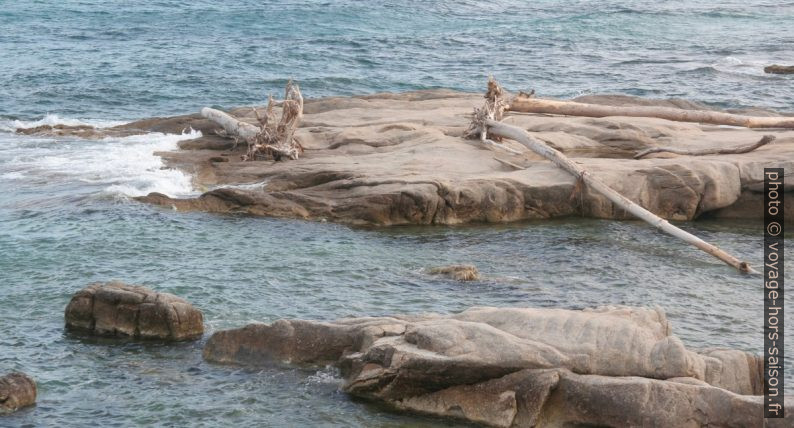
(66, 218)
(124, 60)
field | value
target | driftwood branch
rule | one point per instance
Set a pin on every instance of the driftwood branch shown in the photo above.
(230, 124)
(712, 151)
(271, 139)
(527, 104)
(483, 126)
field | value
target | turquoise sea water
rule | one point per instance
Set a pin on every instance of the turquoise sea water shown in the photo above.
(66, 218)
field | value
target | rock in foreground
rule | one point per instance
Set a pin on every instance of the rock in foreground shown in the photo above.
(118, 309)
(17, 390)
(612, 366)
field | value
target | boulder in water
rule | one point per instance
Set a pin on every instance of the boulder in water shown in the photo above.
(118, 309)
(457, 272)
(609, 366)
(779, 69)
(17, 390)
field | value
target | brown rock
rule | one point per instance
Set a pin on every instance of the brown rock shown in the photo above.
(457, 272)
(779, 69)
(118, 309)
(17, 390)
(610, 366)
(390, 159)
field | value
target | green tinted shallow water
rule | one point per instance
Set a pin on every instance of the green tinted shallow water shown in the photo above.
(66, 219)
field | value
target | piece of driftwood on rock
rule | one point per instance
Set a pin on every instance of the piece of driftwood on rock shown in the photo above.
(272, 139)
(526, 104)
(484, 125)
(766, 139)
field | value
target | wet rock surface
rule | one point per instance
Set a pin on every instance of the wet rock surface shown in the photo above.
(118, 309)
(610, 366)
(457, 272)
(779, 69)
(17, 390)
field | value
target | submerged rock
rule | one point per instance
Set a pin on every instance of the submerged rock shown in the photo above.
(457, 272)
(118, 309)
(17, 390)
(610, 366)
(779, 69)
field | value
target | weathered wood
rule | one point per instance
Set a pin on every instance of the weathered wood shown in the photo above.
(271, 139)
(710, 151)
(570, 108)
(503, 130)
(230, 124)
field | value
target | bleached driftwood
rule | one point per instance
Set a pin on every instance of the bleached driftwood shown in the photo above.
(711, 151)
(271, 139)
(526, 104)
(230, 124)
(484, 125)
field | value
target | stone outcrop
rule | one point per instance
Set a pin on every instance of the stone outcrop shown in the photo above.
(610, 366)
(118, 309)
(457, 272)
(779, 69)
(393, 159)
(17, 390)
(390, 159)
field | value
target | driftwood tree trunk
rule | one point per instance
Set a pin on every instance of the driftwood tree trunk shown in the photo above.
(484, 124)
(230, 124)
(271, 139)
(702, 152)
(525, 104)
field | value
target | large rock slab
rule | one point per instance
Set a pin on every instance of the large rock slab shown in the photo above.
(17, 390)
(391, 159)
(118, 309)
(611, 366)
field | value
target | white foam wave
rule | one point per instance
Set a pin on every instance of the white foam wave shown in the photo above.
(125, 166)
(746, 66)
(54, 119)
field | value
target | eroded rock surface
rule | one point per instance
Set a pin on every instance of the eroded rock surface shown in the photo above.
(610, 366)
(118, 309)
(17, 390)
(391, 159)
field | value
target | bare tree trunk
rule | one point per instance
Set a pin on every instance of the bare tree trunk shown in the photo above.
(271, 139)
(702, 152)
(500, 129)
(230, 124)
(570, 108)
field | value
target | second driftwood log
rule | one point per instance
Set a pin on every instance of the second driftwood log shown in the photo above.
(524, 104)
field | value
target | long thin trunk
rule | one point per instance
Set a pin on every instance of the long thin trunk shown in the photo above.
(712, 151)
(571, 108)
(500, 129)
(230, 124)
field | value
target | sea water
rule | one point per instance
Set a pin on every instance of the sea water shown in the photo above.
(66, 217)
